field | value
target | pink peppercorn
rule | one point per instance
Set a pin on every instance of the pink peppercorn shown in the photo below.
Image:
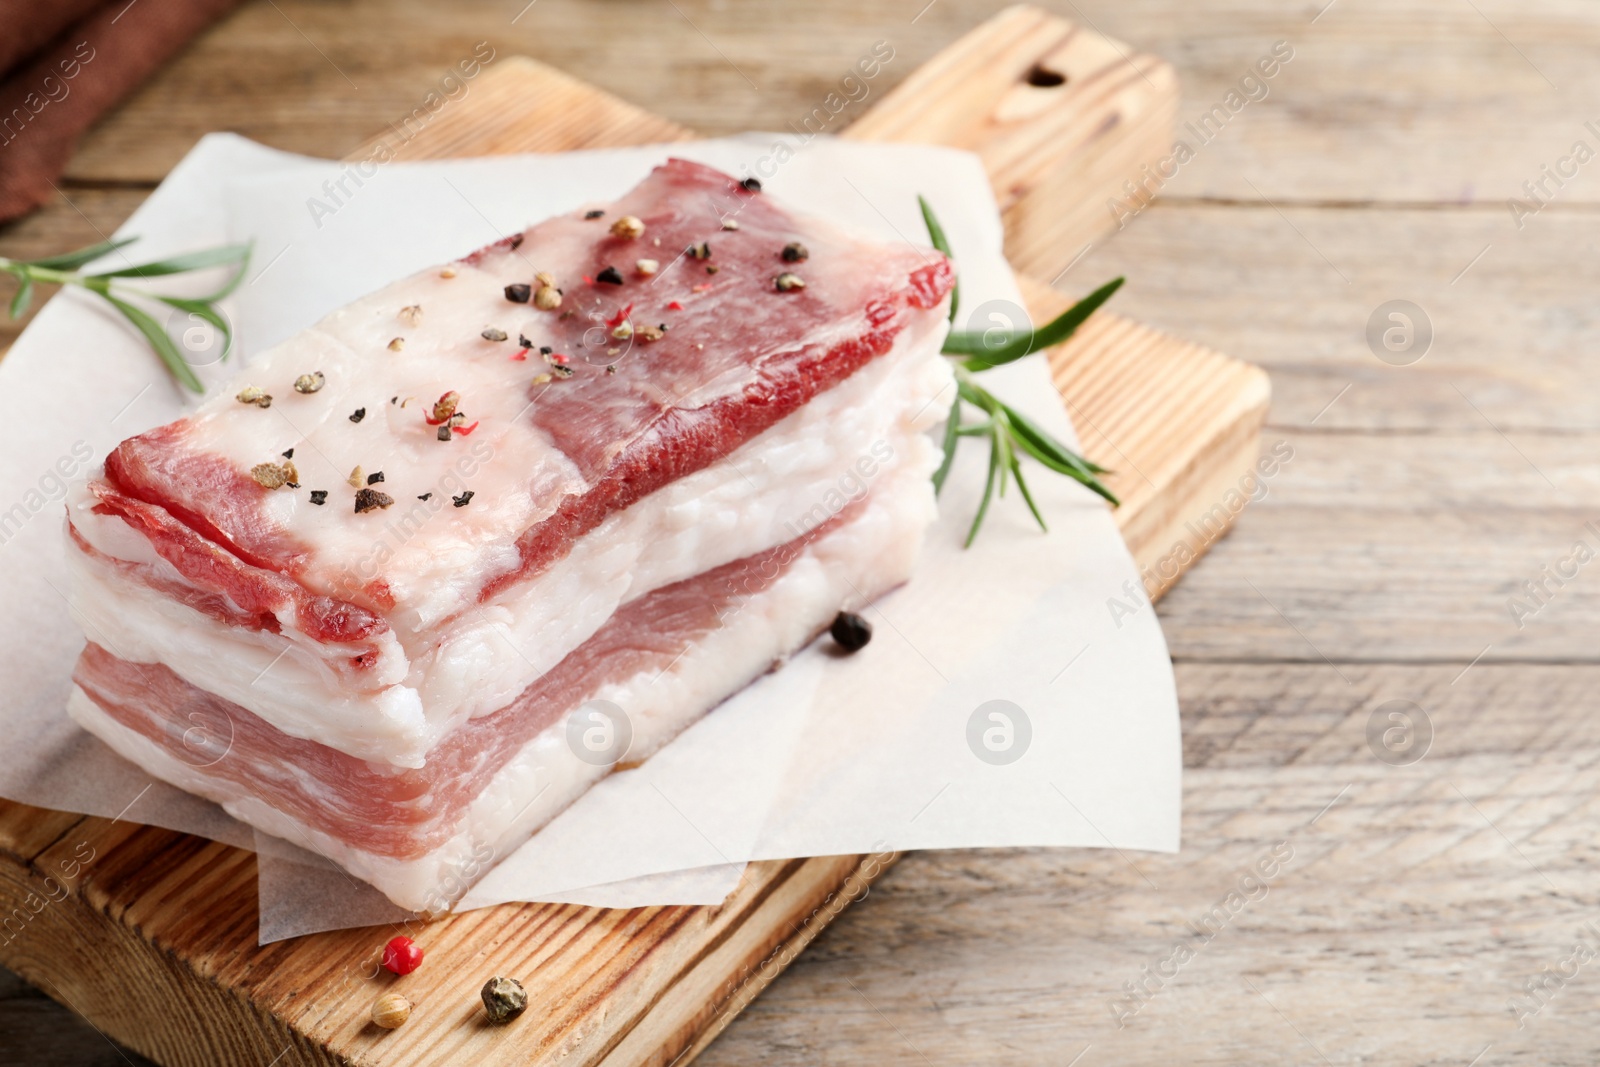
(402, 956)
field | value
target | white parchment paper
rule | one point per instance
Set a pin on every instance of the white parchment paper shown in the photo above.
(902, 746)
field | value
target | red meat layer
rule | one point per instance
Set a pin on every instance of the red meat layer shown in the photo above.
(408, 813)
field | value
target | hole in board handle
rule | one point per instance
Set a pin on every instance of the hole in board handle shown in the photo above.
(1044, 78)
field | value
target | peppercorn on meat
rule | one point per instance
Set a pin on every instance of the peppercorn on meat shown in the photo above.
(632, 454)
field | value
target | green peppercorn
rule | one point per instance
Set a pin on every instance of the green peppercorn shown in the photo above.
(504, 999)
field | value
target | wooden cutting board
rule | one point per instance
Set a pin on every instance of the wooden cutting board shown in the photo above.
(151, 935)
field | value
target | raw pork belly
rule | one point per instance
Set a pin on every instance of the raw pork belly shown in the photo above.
(362, 614)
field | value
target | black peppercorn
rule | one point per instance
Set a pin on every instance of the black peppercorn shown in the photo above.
(368, 499)
(851, 631)
(610, 276)
(518, 293)
(358, 414)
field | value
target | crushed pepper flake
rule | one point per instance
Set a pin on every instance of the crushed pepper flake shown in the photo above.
(627, 227)
(375, 477)
(788, 282)
(493, 333)
(730, 224)
(646, 267)
(751, 185)
(446, 406)
(518, 292)
(674, 306)
(369, 499)
(319, 497)
(609, 276)
(651, 333)
(701, 250)
(358, 414)
(411, 314)
(794, 252)
(593, 213)
(396, 344)
(448, 272)
(548, 298)
(254, 394)
(426, 496)
(356, 479)
(274, 475)
(288, 453)
(310, 383)
(464, 499)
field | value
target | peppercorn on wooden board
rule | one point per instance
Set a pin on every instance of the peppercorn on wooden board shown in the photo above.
(151, 935)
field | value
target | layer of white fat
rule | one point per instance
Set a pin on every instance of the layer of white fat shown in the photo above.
(427, 681)
(870, 554)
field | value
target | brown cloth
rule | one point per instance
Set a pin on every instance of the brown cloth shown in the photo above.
(86, 69)
(27, 25)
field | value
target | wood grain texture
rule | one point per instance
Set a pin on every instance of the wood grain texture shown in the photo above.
(1397, 132)
(155, 932)
(1061, 116)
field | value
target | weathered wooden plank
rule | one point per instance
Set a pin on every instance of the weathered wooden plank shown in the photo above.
(1293, 291)
(36, 1031)
(1407, 919)
(1422, 100)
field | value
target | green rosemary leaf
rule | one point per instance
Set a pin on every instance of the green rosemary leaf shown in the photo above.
(1026, 427)
(211, 257)
(238, 276)
(988, 494)
(951, 426)
(74, 260)
(24, 297)
(985, 352)
(160, 342)
(937, 238)
(1022, 486)
(206, 312)
(1002, 453)
(1030, 438)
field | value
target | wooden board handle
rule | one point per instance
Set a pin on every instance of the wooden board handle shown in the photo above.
(1060, 116)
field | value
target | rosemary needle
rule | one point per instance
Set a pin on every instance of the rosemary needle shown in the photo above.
(1011, 434)
(65, 269)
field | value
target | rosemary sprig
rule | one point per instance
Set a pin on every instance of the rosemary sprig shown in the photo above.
(65, 269)
(1011, 434)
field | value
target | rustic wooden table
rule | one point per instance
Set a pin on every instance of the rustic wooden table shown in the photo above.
(1431, 875)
